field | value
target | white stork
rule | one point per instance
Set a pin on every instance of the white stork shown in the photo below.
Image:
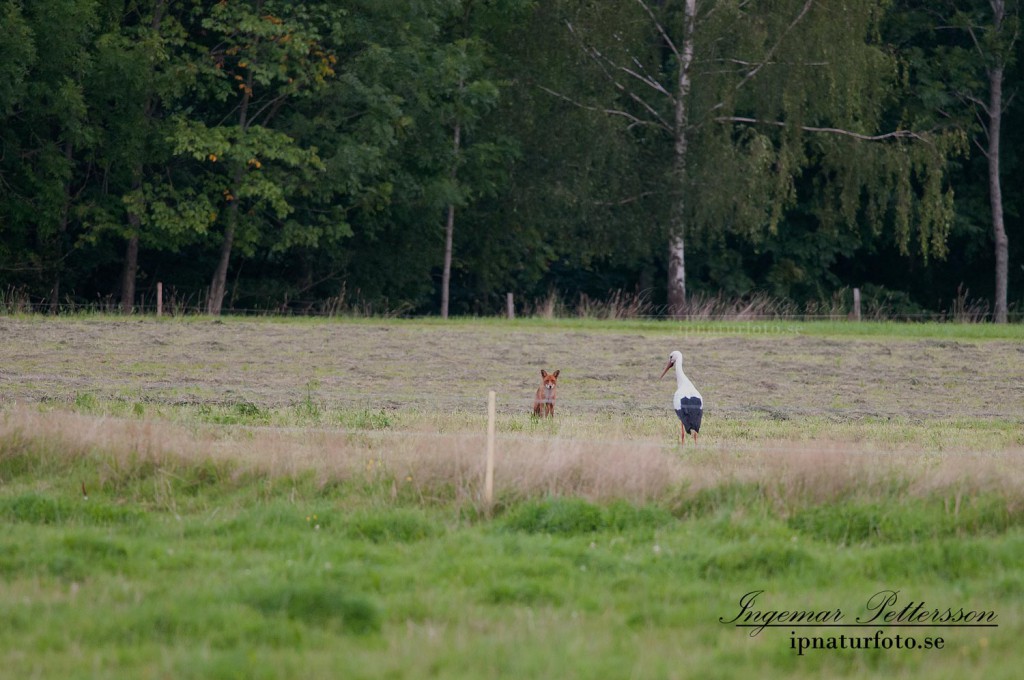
(687, 401)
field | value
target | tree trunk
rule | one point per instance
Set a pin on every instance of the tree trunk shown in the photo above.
(55, 293)
(676, 276)
(449, 230)
(62, 230)
(131, 256)
(995, 191)
(131, 253)
(677, 218)
(446, 273)
(131, 266)
(218, 286)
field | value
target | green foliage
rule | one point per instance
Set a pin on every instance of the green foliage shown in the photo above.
(17, 51)
(315, 142)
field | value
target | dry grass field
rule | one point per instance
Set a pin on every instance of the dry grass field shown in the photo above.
(302, 498)
(743, 370)
(328, 395)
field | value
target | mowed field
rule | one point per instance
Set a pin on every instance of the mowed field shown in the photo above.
(246, 498)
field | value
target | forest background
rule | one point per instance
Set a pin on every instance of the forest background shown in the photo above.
(430, 156)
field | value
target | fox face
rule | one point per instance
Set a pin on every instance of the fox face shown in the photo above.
(544, 401)
(549, 380)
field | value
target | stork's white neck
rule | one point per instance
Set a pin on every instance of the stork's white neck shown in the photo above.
(681, 378)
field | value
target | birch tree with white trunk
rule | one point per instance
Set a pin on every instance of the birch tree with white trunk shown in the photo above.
(749, 96)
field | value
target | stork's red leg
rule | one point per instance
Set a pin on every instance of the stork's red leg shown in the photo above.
(682, 433)
(695, 437)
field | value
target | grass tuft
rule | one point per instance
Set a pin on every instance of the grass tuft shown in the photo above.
(33, 508)
(560, 516)
(749, 563)
(391, 525)
(317, 603)
(914, 519)
(574, 516)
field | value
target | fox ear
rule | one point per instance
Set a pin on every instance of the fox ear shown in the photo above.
(555, 374)
(543, 373)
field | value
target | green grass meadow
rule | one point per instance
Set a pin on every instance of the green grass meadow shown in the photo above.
(253, 507)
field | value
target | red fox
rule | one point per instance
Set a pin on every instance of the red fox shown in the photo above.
(544, 402)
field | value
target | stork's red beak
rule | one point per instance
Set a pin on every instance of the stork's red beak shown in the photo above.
(670, 364)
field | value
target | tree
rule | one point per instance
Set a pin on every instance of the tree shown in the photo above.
(150, 103)
(576, 210)
(288, 154)
(140, 74)
(999, 48)
(957, 55)
(750, 96)
(17, 57)
(470, 94)
(47, 134)
(460, 88)
(260, 56)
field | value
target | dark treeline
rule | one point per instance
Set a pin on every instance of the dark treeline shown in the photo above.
(432, 155)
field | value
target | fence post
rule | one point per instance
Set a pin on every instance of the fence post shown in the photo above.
(159, 298)
(856, 304)
(510, 308)
(489, 468)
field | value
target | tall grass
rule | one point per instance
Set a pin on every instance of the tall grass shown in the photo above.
(621, 304)
(965, 309)
(879, 304)
(433, 468)
(136, 547)
(15, 301)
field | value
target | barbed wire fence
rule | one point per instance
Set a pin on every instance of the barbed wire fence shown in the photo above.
(14, 301)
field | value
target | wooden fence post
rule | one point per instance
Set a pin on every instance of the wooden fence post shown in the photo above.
(856, 304)
(510, 307)
(489, 468)
(159, 298)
